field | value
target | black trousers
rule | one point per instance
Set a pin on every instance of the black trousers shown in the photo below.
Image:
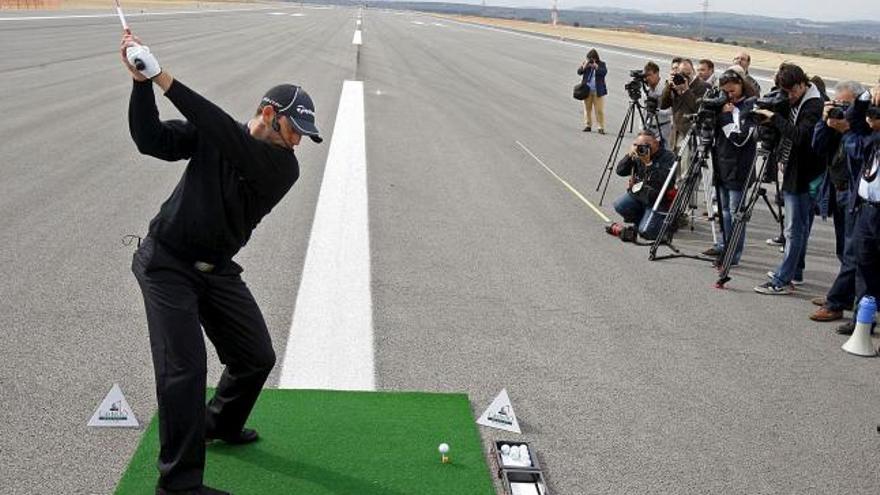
(866, 237)
(180, 301)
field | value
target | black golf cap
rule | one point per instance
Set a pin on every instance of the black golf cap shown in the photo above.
(294, 103)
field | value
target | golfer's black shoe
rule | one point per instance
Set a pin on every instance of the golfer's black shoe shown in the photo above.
(244, 436)
(202, 490)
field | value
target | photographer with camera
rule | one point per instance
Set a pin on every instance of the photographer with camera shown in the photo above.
(866, 232)
(841, 180)
(733, 154)
(653, 93)
(593, 71)
(647, 164)
(744, 60)
(803, 166)
(681, 94)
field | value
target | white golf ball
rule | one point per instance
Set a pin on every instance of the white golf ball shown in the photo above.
(443, 448)
(505, 449)
(514, 453)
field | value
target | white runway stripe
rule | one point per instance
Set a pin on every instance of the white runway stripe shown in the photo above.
(330, 345)
(127, 15)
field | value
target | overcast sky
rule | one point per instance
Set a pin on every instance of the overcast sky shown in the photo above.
(819, 10)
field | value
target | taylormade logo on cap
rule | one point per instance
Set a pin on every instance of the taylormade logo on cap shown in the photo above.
(305, 111)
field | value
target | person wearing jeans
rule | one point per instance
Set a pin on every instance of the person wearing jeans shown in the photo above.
(803, 167)
(733, 154)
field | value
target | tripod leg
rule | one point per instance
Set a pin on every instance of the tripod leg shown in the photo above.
(615, 151)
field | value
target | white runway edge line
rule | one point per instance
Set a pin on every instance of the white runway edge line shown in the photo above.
(330, 345)
(565, 183)
(127, 15)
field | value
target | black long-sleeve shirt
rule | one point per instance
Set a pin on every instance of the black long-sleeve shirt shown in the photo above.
(231, 182)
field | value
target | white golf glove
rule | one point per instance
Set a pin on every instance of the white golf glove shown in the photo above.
(142, 59)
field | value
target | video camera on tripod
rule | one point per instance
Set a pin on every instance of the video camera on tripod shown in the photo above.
(698, 141)
(775, 101)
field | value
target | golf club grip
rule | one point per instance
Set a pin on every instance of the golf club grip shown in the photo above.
(139, 64)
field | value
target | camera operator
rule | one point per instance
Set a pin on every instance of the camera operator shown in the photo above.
(706, 72)
(734, 153)
(803, 167)
(744, 60)
(647, 164)
(593, 71)
(654, 91)
(837, 120)
(866, 233)
(682, 93)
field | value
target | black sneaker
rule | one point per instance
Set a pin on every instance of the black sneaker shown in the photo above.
(587, 129)
(770, 289)
(776, 241)
(712, 251)
(601, 131)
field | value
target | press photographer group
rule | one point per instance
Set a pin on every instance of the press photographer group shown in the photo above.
(720, 142)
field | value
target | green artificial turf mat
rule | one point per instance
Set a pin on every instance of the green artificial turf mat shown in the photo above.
(316, 442)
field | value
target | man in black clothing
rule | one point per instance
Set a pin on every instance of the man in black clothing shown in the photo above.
(647, 165)
(236, 174)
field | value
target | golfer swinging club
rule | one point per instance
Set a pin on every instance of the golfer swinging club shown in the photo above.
(236, 174)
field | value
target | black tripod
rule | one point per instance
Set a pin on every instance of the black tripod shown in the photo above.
(635, 108)
(744, 211)
(699, 141)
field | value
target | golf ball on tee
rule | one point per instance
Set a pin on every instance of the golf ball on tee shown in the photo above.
(443, 448)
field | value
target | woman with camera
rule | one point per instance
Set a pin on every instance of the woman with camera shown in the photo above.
(593, 71)
(733, 154)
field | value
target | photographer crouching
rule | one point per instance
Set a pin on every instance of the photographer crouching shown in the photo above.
(647, 164)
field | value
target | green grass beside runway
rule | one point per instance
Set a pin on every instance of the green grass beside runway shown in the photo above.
(328, 442)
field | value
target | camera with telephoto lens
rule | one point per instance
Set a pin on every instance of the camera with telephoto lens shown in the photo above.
(838, 110)
(643, 149)
(711, 105)
(626, 233)
(678, 79)
(775, 101)
(634, 87)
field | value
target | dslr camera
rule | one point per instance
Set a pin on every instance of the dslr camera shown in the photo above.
(643, 149)
(838, 110)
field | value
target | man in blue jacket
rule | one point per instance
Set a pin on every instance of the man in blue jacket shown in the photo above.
(842, 181)
(593, 71)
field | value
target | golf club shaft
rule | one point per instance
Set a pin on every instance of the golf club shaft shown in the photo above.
(122, 17)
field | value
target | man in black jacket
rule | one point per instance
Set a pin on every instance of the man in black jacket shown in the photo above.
(236, 174)
(803, 168)
(647, 165)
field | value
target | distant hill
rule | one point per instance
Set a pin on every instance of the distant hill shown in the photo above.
(850, 40)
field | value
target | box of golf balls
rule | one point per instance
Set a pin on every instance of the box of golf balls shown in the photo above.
(515, 455)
